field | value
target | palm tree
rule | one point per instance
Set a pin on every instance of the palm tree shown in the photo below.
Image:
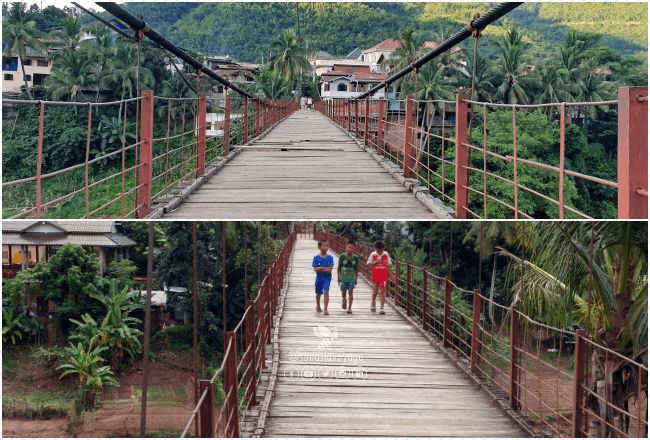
(175, 87)
(102, 50)
(493, 233)
(19, 33)
(510, 71)
(483, 76)
(590, 87)
(404, 55)
(552, 80)
(68, 38)
(555, 287)
(275, 86)
(70, 75)
(288, 57)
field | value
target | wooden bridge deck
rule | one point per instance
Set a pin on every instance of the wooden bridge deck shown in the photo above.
(304, 168)
(403, 385)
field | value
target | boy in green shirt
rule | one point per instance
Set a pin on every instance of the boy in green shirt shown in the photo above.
(347, 272)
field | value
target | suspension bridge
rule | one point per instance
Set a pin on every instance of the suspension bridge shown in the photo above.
(367, 157)
(430, 366)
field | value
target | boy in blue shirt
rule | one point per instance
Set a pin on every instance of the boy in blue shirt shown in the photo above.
(323, 265)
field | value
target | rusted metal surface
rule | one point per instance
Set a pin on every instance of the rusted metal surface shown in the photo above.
(146, 154)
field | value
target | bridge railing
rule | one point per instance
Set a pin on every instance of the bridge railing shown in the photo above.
(447, 146)
(135, 151)
(554, 378)
(232, 390)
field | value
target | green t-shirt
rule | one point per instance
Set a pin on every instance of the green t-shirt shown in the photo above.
(349, 267)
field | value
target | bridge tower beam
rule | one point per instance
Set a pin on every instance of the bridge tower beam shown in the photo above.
(146, 154)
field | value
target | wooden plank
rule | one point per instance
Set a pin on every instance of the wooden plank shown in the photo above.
(409, 387)
(304, 168)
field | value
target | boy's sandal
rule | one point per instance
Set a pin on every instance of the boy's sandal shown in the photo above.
(345, 304)
(373, 309)
(349, 312)
(326, 312)
(381, 312)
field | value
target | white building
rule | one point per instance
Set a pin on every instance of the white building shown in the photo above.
(349, 81)
(38, 66)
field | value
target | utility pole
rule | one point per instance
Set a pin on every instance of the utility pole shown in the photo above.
(224, 287)
(147, 331)
(195, 316)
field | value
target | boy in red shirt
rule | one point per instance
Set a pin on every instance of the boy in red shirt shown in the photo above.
(380, 262)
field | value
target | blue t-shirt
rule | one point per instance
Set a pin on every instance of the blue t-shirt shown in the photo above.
(327, 261)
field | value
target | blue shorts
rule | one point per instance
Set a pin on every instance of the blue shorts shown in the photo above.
(347, 286)
(323, 284)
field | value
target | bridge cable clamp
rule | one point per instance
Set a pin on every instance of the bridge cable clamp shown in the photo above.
(476, 32)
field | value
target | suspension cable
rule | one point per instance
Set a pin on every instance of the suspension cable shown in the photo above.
(480, 23)
(139, 25)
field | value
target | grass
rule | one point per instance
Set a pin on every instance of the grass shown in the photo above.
(41, 404)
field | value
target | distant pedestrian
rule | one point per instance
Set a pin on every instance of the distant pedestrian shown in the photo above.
(303, 102)
(310, 103)
(380, 262)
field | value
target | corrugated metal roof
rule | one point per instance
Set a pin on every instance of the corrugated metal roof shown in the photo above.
(101, 240)
(80, 226)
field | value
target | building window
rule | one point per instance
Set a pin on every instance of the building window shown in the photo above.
(326, 87)
(42, 63)
(10, 64)
(8, 77)
(220, 89)
(28, 62)
(28, 78)
(342, 87)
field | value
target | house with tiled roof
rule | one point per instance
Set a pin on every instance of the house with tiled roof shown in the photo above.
(380, 52)
(348, 81)
(25, 243)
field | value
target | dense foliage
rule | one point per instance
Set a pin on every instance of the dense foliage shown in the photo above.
(244, 30)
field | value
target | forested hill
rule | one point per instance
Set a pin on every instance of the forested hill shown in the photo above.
(243, 30)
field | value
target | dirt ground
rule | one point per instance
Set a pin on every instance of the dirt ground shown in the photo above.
(170, 402)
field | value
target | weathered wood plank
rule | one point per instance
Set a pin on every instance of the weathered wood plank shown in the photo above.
(329, 175)
(407, 388)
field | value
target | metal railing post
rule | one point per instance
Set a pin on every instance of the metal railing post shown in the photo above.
(146, 154)
(514, 356)
(245, 121)
(476, 331)
(226, 125)
(349, 113)
(356, 118)
(409, 147)
(261, 316)
(409, 289)
(425, 298)
(200, 141)
(446, 317)
(366, 123)
(381, 107)
(231, 386)
(257, 117)
(251, 363)
(206, 412)
(397, 286)
(462, 158)
(578, 381)
(632, 153)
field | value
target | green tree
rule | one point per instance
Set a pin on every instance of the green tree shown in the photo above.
(510, 70)
(86, 362)
(71, 75)
(67, 39)
(19, 33)
(288, 57)
(102, 50)
(555, 287)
